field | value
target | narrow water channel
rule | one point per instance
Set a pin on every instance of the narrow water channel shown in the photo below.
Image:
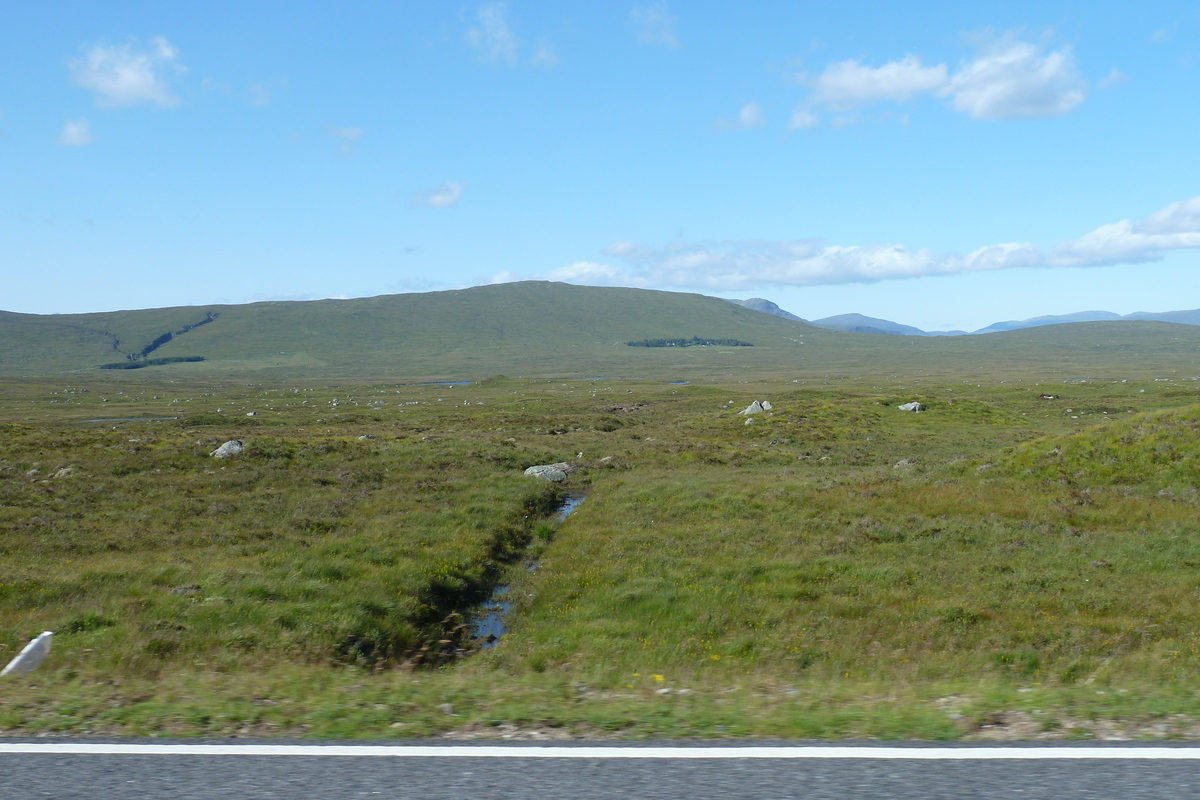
(489, 622)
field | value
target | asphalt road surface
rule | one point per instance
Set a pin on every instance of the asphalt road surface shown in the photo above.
(155, 770)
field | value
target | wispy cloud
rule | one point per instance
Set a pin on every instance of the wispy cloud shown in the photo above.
(735, 266)
(347, 139)
(259, 95)
(76, 133)
(750, 115)
(849, 84)
(655, 24)
(128, 75)
(1007, 79)
(802, 119)
(544, 56)
(443, 196)
(262, 94)
(491, 36)
(1114, 77)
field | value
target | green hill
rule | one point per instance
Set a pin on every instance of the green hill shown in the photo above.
(1159, 451)
(551, 329)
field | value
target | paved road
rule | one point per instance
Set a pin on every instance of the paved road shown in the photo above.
(299, 770)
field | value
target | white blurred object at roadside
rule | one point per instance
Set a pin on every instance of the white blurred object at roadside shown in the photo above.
(33, 654)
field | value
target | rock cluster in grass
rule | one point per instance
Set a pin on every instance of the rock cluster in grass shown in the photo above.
(757, 407)
(551, 472)
(231, 448)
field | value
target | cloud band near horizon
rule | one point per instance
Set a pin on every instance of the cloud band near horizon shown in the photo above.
(734, 266)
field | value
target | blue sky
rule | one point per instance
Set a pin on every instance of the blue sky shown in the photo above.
(946, 165)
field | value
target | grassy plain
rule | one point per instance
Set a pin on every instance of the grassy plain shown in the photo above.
(999, 565)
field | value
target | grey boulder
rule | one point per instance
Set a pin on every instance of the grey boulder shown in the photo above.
(913, 406)
(231, 448)
(550, 472)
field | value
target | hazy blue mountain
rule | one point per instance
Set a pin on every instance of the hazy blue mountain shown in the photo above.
(767, 307)
(1182, 317)
(857, 323)
(1034, 322)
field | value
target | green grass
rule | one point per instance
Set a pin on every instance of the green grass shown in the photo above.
(997, 565)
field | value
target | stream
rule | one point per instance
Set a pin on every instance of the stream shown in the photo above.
(488, 623)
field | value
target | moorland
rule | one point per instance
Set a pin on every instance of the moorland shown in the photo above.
(1020, 559)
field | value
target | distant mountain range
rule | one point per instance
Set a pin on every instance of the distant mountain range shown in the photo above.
(858, 323)
(1181, 317)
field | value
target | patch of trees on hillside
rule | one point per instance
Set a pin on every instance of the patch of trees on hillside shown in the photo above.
(150, 362)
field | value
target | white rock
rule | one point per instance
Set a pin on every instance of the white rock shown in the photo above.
(913, 406)
(33, 654)
(551, 472)
(754, 408)
(231, 448)
(766, 404)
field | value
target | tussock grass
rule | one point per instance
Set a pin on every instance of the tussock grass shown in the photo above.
(999, 564)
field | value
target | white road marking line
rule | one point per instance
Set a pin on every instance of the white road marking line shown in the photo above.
(450, 751)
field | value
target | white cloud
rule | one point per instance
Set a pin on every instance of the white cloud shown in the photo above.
(654, 24)
(126, 75)
(164, 49)
(1015, 80)
(491, 36)
(1110, 80)
(731, 266)
(750, 115)
(1007, 79)
(592, 272)
(623, 249)
(736, 266)
(1176, 227)
(443, 196)
(849, 84)
(544, 56)
(348, 139)
(802, 118)
(76, 133)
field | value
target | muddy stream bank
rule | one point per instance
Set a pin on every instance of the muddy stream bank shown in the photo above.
(489, 621)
